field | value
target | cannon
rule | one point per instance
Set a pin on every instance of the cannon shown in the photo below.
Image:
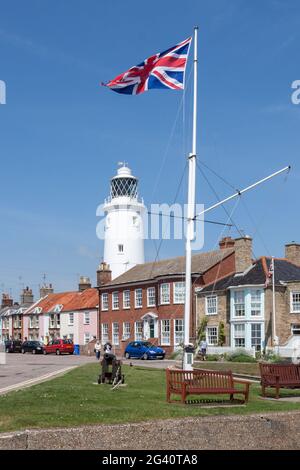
(111, 370)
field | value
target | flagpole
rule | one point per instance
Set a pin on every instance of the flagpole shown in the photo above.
(275, 339)
(190, 231)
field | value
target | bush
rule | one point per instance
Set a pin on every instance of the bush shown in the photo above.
(213, 357)
(240, 356)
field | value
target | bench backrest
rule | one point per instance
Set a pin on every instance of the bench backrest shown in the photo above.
(200, 378)
(285, 372)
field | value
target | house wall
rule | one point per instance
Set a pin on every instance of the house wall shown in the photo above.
(83, 328)
(222, 316)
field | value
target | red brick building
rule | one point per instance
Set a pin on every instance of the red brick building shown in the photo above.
(147, 302)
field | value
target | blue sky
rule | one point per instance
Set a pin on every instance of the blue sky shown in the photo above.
(61, 134)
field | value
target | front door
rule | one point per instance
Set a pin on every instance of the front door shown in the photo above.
(151, 329)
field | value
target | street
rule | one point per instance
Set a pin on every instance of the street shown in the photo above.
(23, 370)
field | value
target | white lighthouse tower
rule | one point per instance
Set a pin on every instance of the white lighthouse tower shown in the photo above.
(124, 228)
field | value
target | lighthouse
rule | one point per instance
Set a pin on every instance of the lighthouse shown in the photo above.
(124, 227)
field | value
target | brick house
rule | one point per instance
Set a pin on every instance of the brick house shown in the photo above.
(147, 301)
(242, 302)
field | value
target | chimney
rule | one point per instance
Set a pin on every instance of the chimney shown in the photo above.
(84, 283)
(7, 301)
(26, 296)
(103, 274)
(292, 252)
(45, 290)
(226, 242)
(243, 253)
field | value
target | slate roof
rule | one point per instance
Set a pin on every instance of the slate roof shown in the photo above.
(285, 271)
(201, 262)
(87, 299)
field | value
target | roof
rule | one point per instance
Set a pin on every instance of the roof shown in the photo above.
(285, 271)
(87, 299)
(201, 262)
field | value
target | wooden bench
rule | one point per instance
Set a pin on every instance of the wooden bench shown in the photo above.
(279, 376)
(205, 382)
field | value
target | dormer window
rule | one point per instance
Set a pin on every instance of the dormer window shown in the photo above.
(58, 308)
(37, 310)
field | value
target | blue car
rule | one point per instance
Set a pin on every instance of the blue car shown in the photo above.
(144, 350)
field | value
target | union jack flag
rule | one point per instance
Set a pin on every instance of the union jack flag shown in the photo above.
(163, 70)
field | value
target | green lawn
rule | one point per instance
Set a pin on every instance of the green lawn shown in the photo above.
(73, 399)
(236, 367)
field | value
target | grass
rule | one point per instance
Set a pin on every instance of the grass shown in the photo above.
(245, 368)
(73, 400)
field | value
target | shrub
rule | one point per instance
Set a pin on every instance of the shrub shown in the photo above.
(213, 357)
(240, 356)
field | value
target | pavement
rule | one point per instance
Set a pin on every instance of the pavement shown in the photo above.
(24, 370)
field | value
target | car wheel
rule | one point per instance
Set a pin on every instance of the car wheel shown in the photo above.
(44, 352)
(145, 356)
(127, 355)
(33, 351)
(23, 351)
(162, 358)
(57, 352)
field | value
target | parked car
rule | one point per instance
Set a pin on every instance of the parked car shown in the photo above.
(144, 350)
(12, 346)
(35, 347)
(59, 346)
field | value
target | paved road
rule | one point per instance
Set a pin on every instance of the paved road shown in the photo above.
(24, 367)
(27, 369)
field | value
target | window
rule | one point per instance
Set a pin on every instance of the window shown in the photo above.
(87, 337)
(295, 301)
(179, 292)
(31, 321)
(255, 303)
(165, 332)
(296, 329)
(212, 335)
(151, 297)
(239, 303)
(104, 333)
(256, 336)
(120, 248)
(52, 320)
(211, 305)
(178, 332)
(138, 331)
(86, 319)
(58, 321)
(239, 335)
(71, 319)
(138, 298)
(115, 300)
(165, 293)
(115, 334)
(71, 337)
(104, 301)
(126, 330)
(126, 299)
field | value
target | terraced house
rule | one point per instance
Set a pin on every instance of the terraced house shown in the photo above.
(241, 305)
(147, 301)
(72, 315)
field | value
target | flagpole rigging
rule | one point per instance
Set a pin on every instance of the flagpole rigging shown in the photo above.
(190, 232)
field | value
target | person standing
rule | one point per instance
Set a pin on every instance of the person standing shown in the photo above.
(203, 348)
(98, 349)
